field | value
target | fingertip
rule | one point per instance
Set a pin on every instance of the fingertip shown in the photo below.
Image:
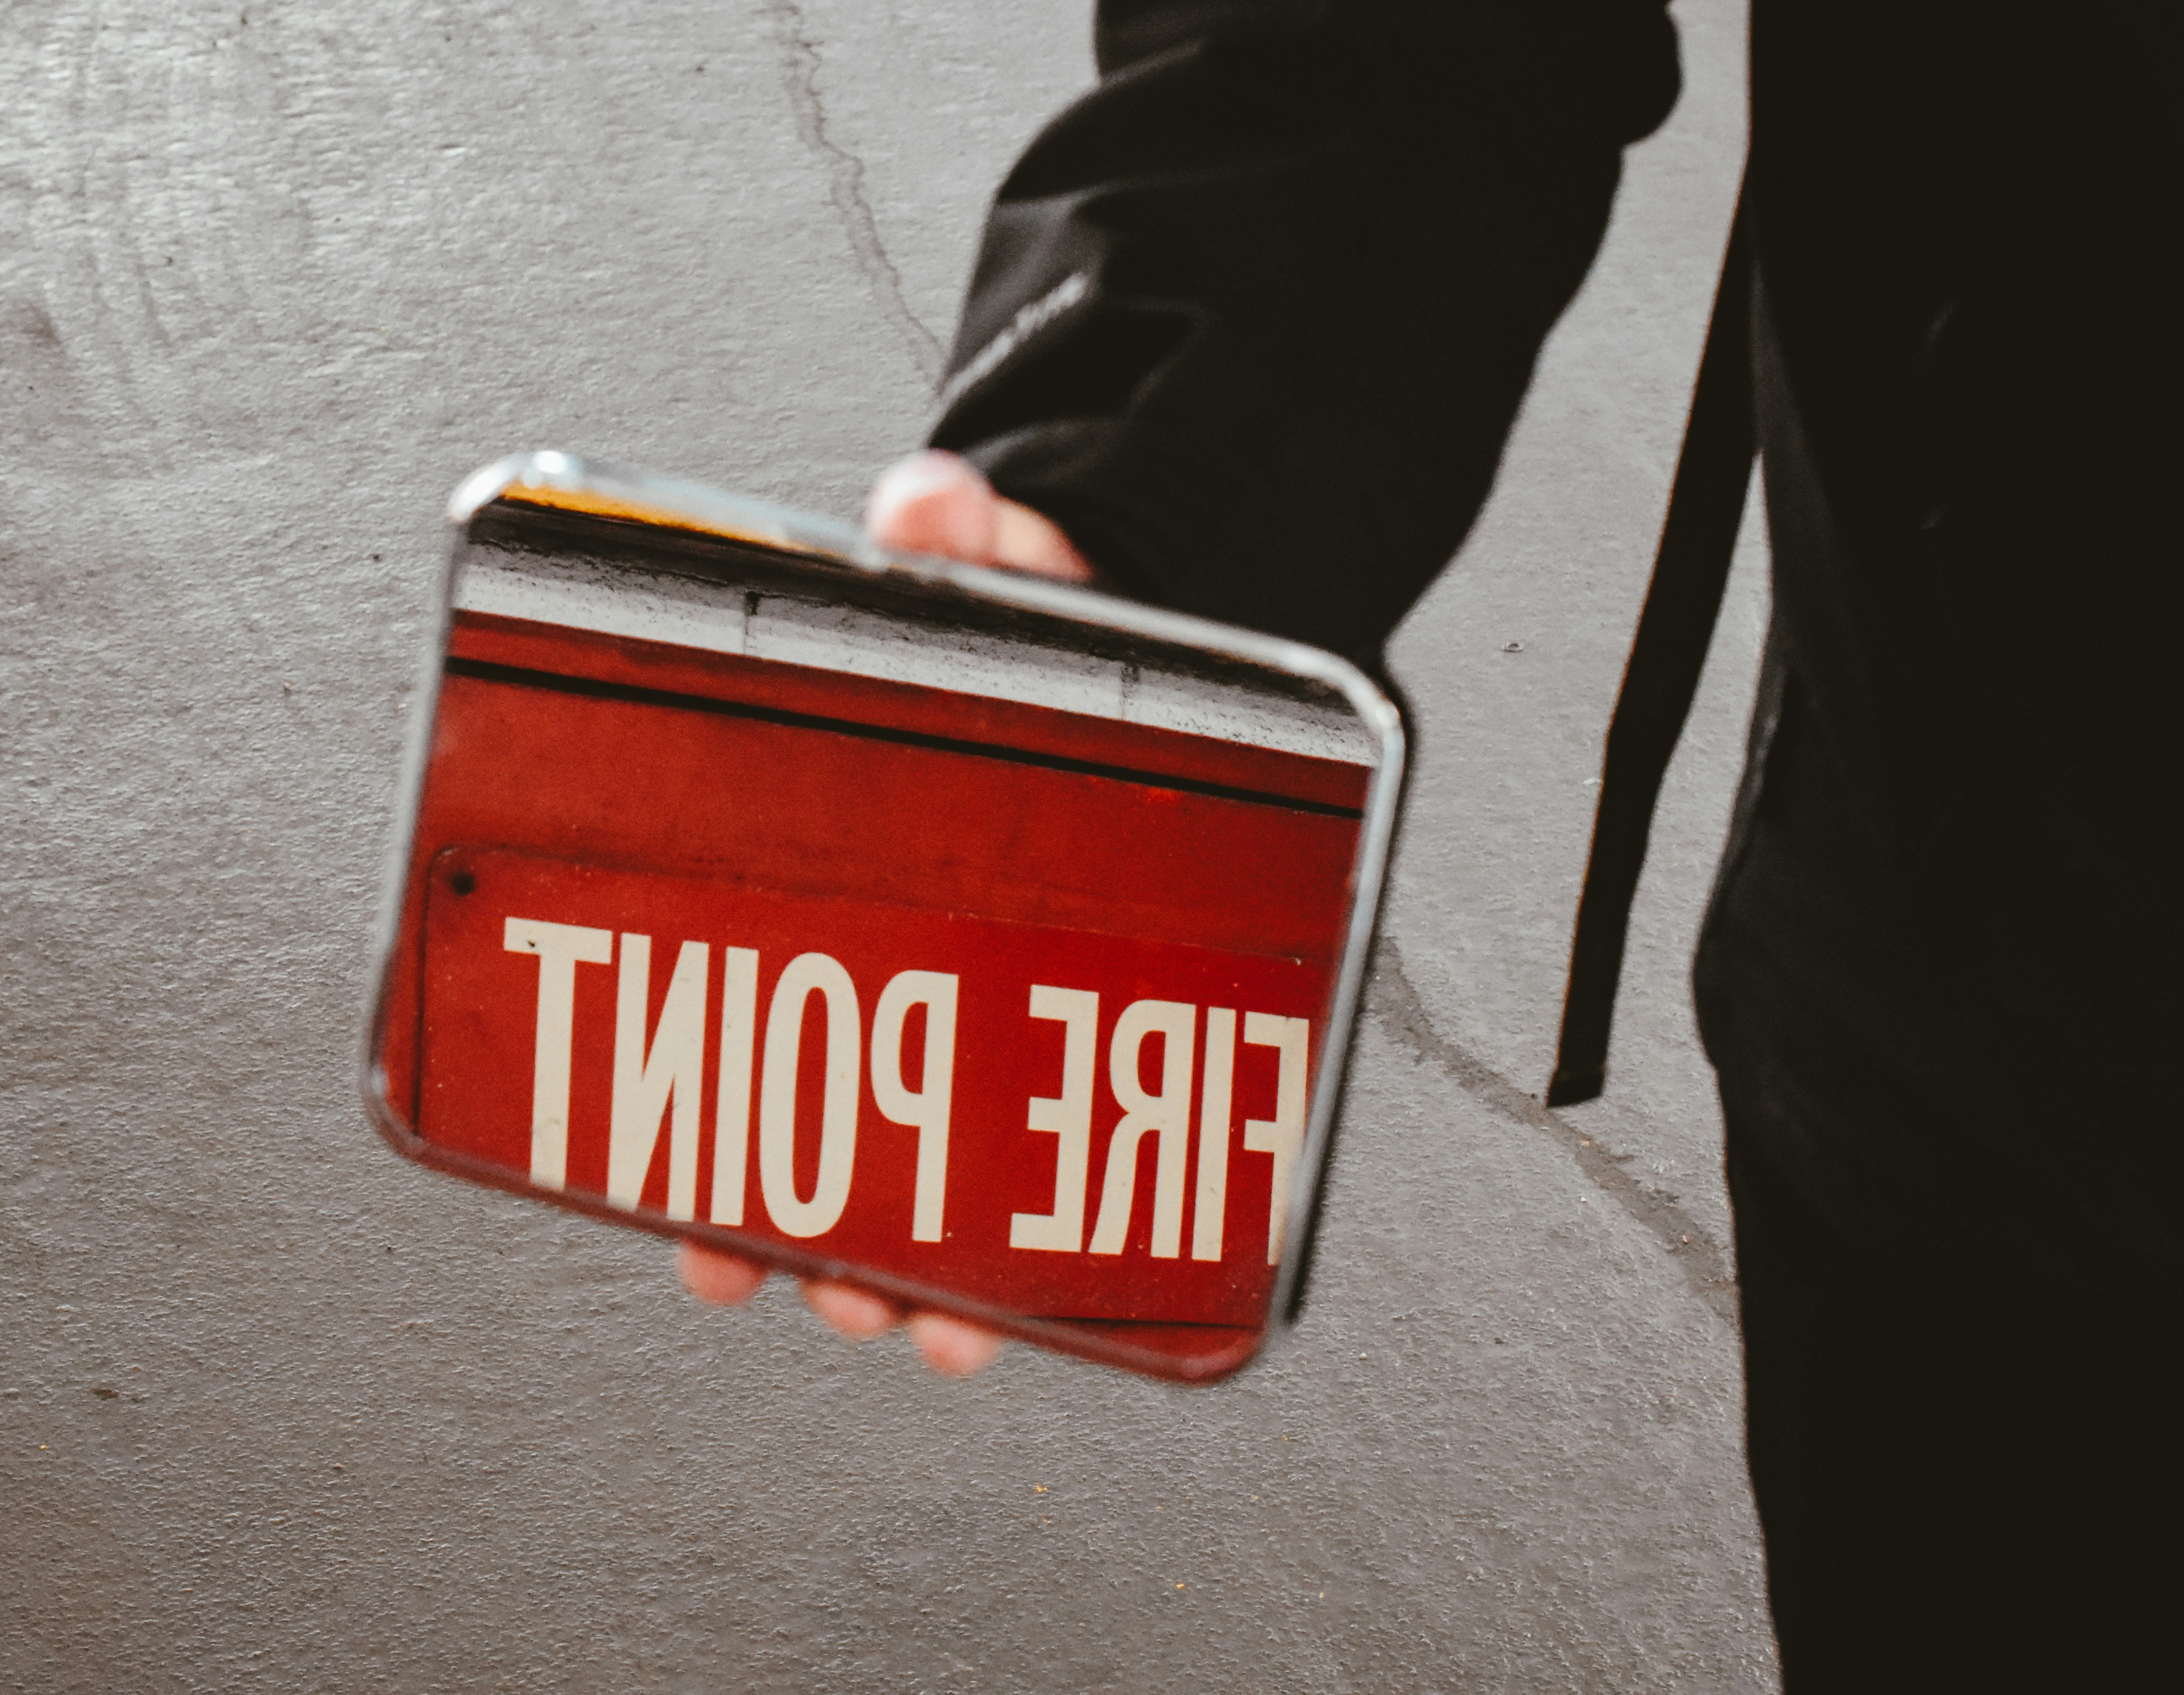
(725, 1279)
(952, 1347)
(853, 1312)
(935, 503)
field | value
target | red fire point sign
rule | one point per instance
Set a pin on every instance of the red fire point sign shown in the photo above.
(1018, 1006)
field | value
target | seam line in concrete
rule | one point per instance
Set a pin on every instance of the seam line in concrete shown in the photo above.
(845, 184)
(1396, 1004)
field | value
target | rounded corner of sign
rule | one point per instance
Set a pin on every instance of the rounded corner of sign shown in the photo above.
(379, 1107)
(1205, 1371)
(1374, 705)
(485, 485)
(544, 468)
(1394, 736)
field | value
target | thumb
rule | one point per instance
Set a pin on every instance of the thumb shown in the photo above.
(937, 502)
(934, 503)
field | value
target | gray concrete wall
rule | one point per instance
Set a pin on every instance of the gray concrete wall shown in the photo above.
(278, 1411)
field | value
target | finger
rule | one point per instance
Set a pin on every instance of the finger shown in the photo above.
(940, 503)
(952, 1347)
(726, 1279)
(853, 1312)
(1025, 540)
(934, 503)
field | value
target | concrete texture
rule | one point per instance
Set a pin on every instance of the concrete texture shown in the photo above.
(278, 1411)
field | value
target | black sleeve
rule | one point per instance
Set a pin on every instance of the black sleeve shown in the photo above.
(1252, 320)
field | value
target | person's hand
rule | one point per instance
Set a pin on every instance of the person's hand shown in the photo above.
(929, 503)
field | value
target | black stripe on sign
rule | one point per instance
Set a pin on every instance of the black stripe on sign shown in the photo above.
(521, 677)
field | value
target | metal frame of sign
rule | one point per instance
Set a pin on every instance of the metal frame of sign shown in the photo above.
(830, 551)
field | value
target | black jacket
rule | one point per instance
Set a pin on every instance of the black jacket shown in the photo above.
(1252, 318)
(1284, 235)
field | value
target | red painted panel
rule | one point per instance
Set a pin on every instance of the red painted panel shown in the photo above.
(832, 811)
(489, 1013)
(489, 638)
(639, 789)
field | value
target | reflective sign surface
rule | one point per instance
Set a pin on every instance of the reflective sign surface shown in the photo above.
(985, 967)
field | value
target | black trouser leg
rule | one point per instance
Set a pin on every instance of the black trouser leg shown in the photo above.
(1966, 1477)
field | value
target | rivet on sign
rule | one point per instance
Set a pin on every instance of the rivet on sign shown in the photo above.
(1512, 647)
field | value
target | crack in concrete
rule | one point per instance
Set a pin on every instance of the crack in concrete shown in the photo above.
(1396, 1004)
(845, 184)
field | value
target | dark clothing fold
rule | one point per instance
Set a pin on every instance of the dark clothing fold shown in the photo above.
(1251, 321)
